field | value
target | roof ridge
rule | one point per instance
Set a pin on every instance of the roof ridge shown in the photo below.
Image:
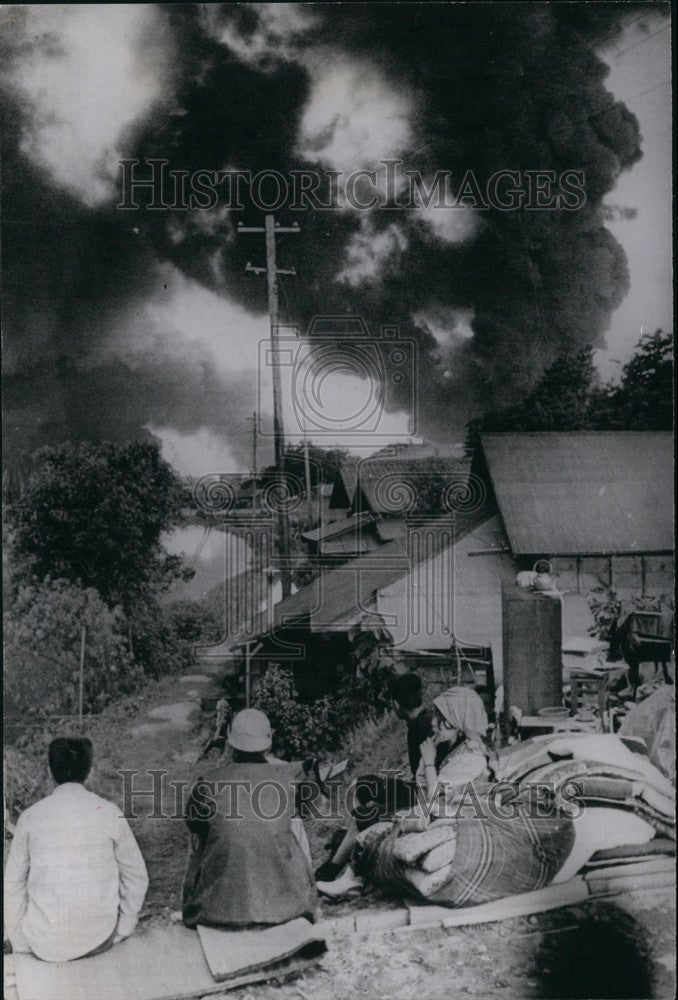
(580, 433)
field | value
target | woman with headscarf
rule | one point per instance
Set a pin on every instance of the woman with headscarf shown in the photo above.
(456, 753)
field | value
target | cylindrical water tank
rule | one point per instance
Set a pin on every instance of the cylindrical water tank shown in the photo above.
(532, 646)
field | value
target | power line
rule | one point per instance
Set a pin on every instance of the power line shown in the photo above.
(642, 40)
(622, 27)
(617, 101)
(626, 100)
(287, 301)
(650, 90)
(201, 544)
(181, 462)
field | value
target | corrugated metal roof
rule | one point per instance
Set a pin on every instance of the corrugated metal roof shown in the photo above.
(584, 492)
(387, 484)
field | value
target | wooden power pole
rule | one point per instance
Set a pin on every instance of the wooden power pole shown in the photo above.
(254, 470)
(271, 230)
(254, 446)
(307, 474)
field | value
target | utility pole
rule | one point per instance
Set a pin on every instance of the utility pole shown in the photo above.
(271, 230)
(307, 473)
(253, 470)
(254, 445)
(81, 678)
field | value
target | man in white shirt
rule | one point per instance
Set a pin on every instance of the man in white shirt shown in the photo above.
(75, 879)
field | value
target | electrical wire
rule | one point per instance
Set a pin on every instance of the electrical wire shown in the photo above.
(622, 27)
(181, 462)
(642, 40)
(632, 97)
(281, 284)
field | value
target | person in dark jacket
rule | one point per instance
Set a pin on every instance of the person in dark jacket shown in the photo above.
(406, 692)
(246, 866)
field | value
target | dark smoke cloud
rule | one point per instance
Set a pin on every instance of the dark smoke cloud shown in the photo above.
(514, 86)
(69, 273)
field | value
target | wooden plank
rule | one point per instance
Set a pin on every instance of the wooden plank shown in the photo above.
(539, 901)
(233, 953)
(635, 852)
(632, 869)
(621, 883)
(424, 915)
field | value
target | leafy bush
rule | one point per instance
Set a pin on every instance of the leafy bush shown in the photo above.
(610, 608)
(302, 729)
(153, 642)
(191, 621)
(24, 785)
(43, 635)
(185, 624)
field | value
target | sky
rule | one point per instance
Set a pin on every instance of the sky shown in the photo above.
(640, 75)
(155, 323)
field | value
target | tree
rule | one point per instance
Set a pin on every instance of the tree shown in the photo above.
(643, 399)
(94, 514)
(570, 397)
(188, 623)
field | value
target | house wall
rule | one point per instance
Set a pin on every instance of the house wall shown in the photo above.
(643, 574)
(455, 593)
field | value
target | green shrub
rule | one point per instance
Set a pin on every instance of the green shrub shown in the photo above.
(43, 631)
(301, 730)
(163, 637)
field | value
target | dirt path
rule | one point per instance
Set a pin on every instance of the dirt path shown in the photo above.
(161, 730)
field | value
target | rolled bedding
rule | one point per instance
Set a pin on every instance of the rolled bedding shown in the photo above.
(486, 855)
(594, 770)
(473, 860)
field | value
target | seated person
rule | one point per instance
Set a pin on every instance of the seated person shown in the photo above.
(456, 753)
(75, 879)
(247, 866)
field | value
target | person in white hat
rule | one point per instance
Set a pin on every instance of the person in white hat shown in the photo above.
(247, 866)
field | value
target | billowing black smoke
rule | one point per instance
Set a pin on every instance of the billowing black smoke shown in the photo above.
(505, 86)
